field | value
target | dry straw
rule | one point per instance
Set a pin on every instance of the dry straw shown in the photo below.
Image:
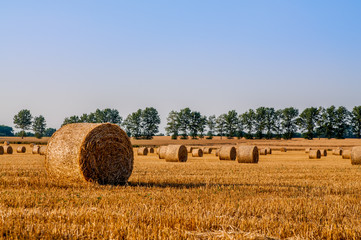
(162, 150)
(247, 154)
(176, 153)
(36, 149)
(269, 150)
(283, 149)
(323, 152)
(314, 154)
(100, 153)
(21, 149)
(142, 151)
(207, 150)
(217, 152)
(8, 149)
(337, 151)
(263, 151)
(197, 153)
(6, 143)
(307, 150)
(150, 150)
(1, 150)
(356, 155)
(190, 149)
(42, 150)
(227, 153)
(32, 144)
(346, 154)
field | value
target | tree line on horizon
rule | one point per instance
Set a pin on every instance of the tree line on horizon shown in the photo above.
(260, 123)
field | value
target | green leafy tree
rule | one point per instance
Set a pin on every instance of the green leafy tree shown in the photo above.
(49, 132)
(356, 121)
(221, 124)
(307, 122)
(196, 123)
(39, 126)
(6, 131)
(277, 124)
(133, 124)
(23, 121)
(248, 121)
(327, 122)
(260, 121)
(150, 122)
(71, 119)
(341, 122)
(269, 122)
(173, 124)
(231, 123)
(184, 116)
(211, 123)
(289, 122)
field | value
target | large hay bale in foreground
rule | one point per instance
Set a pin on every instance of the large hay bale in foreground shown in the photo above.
(21, 149)
(35, 149)
(263, 151)
(176, 153)
(8, 149)
(346, 154)
(6, 143)
(100, 153)
(162, 151)
(269, 150)
(150, 150)
(314, 154)
(337, 151)
(227, 153)
(356, 155)
(323, 152)
(197, 153)
(1, 150)
(142, 151)
(247, 154)
(42, 150)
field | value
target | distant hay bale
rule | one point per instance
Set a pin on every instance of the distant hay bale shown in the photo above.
(307, 150)
(323, 152)
(21, 149)
(150, 150)
(190, 149)
(337, 151)
(36, 149)
(269, 150)
(94, 152)
(217, 152)
(227, 153)
(8, 149)
(247, 154)
(346, 154)
(283, 149)
(207, 150)
(32, 145)
(42, 150)
(162, 151)
(176, 153)
(356, 155)
(1, 150)
(314, 154)
(142, 151)
(263, 151)
(6, 143)
(197, 153)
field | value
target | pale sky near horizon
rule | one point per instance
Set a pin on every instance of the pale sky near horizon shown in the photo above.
(63, 58)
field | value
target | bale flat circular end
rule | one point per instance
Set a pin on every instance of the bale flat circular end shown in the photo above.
(227, 153)
(150, 150)
(21, 149)
(142, 151)
(8, 149)
(247, 154)
(35, 149)
(1, 150)
(269, 150)
(100, 153)
(176, 153)
(323, 153)
(197, 153)
(314, 154)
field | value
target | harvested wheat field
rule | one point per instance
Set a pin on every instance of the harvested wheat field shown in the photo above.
(285, 195)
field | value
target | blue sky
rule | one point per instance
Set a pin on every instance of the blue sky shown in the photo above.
(60, 58)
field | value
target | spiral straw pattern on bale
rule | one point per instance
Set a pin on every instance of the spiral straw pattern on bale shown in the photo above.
(323, 152)
(314, 154)
(263, 151)
(197, 153)
(247, 154)
(100, 153)
(8, 149)
(142, 151)
(42, 150)
(356, 155)
(162, 150)
(21, 149)
(150, 150)
(176, 153)
(1, 150)
(35, 149)
(227, 153)
(346, 154)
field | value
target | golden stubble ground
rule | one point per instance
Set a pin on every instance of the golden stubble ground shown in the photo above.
(285, 195)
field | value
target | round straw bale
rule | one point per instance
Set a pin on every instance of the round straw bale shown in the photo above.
(283, 149)
(197, 153)
(190, 149)
(32, 144)
(323, 152)
(100, 153)
(269, 150)
(8, 149)
(1, 150)
(263, 151)
(150, 150)
(176, 153)
(247, 154)
(337, 151)
(42, 150)
(162, 151)
(346, 154)
(307, 150)
(6, 143)
(142, 151)
(356, 155)
(314, 154)
(36, 149)
(227, 153)
(207, 150)
(217, 152)
(21, 149)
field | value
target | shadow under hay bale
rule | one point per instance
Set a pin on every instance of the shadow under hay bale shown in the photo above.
(247, 154)
(21, 149)
(176, 153)
(227, 153)
(100, 153)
